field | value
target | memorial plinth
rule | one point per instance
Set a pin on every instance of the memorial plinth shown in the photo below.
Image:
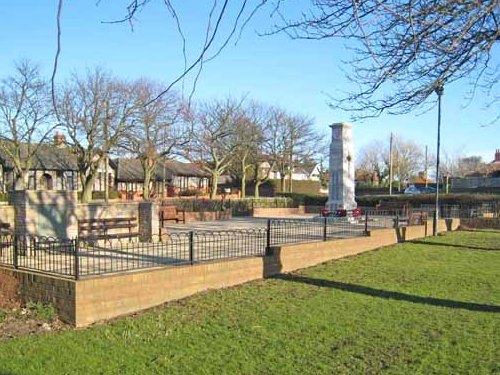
(341, 183)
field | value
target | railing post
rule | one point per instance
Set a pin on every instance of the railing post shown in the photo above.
(268, 235)
(324, 228)
(16, 251)
(191, 247)
(366, 223)
(76, 244)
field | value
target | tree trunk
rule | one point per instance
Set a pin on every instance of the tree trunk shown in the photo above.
(256, 193)
(20, 182)
(147, 180)
(87, 188)
(282, 183)
(215, 180)
(244, 185)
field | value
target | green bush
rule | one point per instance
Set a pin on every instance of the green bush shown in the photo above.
(298, 186)
(416, 200)
(305, 199)
(4, 197)
(189, 193)
(238, 207)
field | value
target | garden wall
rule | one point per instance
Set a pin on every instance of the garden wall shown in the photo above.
(276, 212)
(207, 216)
(86, 301)
(481, 223)
(8, 215)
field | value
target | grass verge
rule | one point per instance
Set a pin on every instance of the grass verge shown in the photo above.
(431, 306)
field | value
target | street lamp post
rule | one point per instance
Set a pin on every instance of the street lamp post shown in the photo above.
(439, 90)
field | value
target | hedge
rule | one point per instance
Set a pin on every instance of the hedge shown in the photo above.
(419, 199)
(238, 207)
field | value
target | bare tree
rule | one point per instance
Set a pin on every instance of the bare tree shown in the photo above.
(407, 159)
(250, 137)
(159, 130)
(403, 50)
(289, 140)
(294, 144)
(214, 138)
(25, 118)
(97, 111)
(370, 161)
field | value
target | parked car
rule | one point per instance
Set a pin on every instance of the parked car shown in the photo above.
(428, 190)
(412, 189)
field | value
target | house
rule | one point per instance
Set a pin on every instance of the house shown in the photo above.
(53, 167)
(130, 178)
(487, 179)
(187, 177)
(301, 171)
(169, 178)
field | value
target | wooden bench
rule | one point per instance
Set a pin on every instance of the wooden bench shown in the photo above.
(418, 217)
(171, 213)
(106, 229)
(5, 229)
(400, 208)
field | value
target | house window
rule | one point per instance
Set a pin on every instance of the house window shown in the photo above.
(70, 182)
(46, 182)
(31, 181)
(60, 180)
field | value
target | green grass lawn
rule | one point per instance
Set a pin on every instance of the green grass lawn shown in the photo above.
(429, 307)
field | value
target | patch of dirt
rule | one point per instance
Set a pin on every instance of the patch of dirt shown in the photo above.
(19, 322)
(9, 298)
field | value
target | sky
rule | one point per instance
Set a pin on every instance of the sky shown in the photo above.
(296, 75)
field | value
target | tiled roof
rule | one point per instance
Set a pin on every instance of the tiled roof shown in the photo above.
(46, 157)
(130, 170)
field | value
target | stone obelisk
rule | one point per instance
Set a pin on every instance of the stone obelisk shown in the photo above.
(341, 183)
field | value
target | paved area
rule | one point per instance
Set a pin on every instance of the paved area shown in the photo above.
(233, 224)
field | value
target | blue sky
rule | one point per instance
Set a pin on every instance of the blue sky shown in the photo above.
(296, 75)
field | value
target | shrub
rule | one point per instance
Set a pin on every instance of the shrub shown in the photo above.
(45, 312)
(4, 197)
(298, 186)
(190, 193)
(238, 207)
(305, 199)
(416, 200)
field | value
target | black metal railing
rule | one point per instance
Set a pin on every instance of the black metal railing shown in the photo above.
(75, 258)
(464, 210)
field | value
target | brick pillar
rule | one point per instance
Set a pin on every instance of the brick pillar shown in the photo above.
(19, 200)
(149, 221)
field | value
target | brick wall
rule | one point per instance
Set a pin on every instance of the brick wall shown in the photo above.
(21, 287)
(108, 297)
(274, 212)
(207, 216)
(8, 215)
(9, 288)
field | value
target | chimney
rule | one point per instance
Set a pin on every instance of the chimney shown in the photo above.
(59, 140)
(497, 156)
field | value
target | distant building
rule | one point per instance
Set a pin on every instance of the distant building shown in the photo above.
(487, 178)
(53, 167)
(301, 171)
(170, 178)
